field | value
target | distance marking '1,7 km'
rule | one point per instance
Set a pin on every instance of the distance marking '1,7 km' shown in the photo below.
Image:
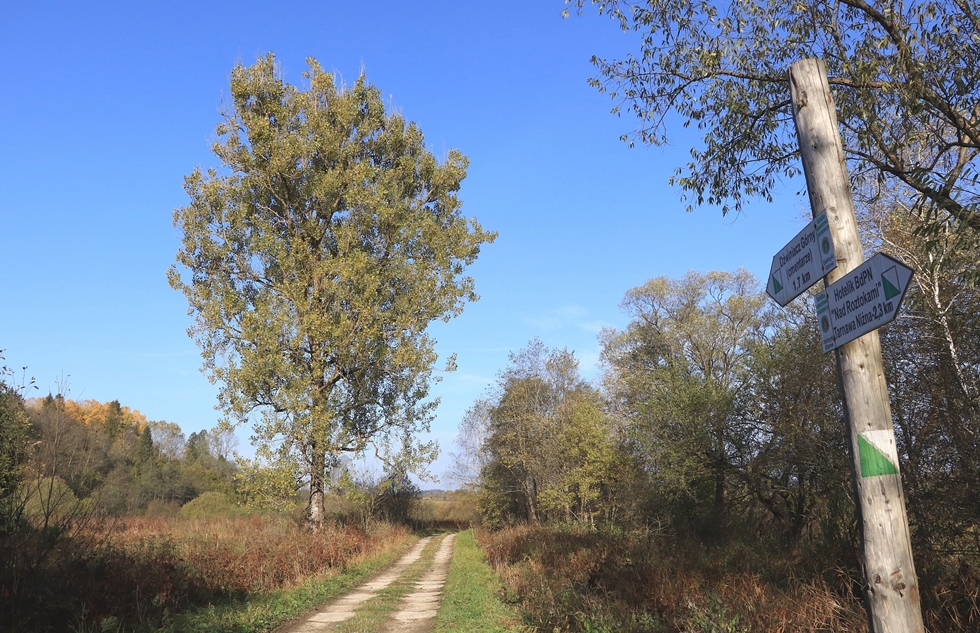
(808, 257)
(862, 300)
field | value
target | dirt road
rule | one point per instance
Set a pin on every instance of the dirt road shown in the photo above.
(403, 599)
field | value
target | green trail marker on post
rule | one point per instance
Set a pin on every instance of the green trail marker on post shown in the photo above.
(878, 454)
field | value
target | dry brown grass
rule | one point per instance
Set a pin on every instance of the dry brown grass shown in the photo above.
(249, 554)
(149, 568)
(575, 580)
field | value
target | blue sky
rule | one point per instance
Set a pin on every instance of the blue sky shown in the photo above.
(106, 106)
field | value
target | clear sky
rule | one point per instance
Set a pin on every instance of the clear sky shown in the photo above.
(106, 106)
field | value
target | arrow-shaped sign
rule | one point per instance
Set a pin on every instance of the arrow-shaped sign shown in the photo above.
(862, 300)
(808, 257)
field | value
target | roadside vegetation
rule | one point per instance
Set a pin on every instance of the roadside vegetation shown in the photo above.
(473, 594)
(235, 574)
(702, 481)
(576, 578)
(110, 521)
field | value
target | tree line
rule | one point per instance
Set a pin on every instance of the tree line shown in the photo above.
(64, 457)
(718, 414)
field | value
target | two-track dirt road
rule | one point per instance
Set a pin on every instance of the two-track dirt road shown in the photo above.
(416, 608)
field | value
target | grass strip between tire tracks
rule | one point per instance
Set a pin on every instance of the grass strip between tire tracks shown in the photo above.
(471, 601)
(264, 612)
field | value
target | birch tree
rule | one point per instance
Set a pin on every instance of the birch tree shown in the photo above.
(550, 453)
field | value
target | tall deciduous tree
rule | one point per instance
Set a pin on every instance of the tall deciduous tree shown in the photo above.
(316, 259)
(905, 75)
(524, 413)
(932, 359)
(470, 458)
(549, 450)
(678, 373)
(794, 459)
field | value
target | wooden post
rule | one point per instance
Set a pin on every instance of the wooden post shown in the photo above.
(891, 587)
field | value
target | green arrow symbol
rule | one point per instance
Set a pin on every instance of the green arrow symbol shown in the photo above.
(776, 285)
(891, 287)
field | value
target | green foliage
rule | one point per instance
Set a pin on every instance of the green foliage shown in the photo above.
(14, 438)
(119, 472)
(714, 617)
(145, 452)
(679, 374)
(263, 485)
(114, 422)
(551, 452)
(906, 80)
(50, 501)
(797, 464)
(398, 497)
(316, 259)
(455, 508)
(197, 447)
(209, 505)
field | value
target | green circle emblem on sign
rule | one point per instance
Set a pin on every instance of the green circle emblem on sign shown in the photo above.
(825, 245)
(824, 323)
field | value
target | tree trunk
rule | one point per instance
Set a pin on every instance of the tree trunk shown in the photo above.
(720, 493)
(532, 501)
(314, 510)
(721, 466)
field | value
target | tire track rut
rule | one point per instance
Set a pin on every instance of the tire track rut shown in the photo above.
(416, 610)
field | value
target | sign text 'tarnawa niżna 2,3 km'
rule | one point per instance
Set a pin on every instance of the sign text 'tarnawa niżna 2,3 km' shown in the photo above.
(863, 300)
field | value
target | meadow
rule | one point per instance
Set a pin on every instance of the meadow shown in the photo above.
(573, 578)
(170, 573)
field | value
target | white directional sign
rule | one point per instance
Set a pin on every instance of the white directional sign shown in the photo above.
(862, 300)
(808, 257)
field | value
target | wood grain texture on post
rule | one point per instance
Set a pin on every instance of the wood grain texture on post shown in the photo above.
(891, 586)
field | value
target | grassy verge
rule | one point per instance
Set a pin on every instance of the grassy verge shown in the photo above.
(264, 612)
(471, 601)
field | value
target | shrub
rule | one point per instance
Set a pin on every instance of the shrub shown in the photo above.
(209, 505)
(50, 500)
(159, 508)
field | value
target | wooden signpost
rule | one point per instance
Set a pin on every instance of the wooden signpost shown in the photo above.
(891, 587)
